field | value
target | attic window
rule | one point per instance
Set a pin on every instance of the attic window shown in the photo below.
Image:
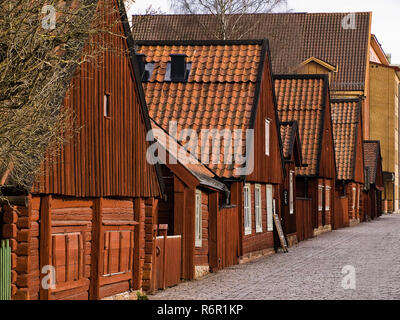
(106, 105)
(145, 68)
(178, 68)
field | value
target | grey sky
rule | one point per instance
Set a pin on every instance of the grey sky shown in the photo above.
(385, 18)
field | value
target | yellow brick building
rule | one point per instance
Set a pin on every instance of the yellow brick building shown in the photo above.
(384, 120)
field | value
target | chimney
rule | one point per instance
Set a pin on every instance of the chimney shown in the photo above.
(141, 58)
(178, 67)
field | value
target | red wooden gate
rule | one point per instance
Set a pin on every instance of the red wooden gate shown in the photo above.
(228, 235)
(304, 219)
(341, 216)
(168, 261)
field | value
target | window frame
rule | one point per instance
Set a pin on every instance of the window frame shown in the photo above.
(353, 205)
(198, 220)
(320, 198)
(267, 136)
(327, 198)
(258, 208)
(247, 209)
(107, 105)
(270, 208)
(291, 192)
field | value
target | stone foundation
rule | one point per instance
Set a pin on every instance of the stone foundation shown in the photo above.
(256, 255)
(201, 271)
(321, 230)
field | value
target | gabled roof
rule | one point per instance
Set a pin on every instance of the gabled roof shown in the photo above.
(218, 94)
(302, 98)
(326, 65)
(372, 156)
(346, 119)
(294, 37)
(290, 137)
(200, 171)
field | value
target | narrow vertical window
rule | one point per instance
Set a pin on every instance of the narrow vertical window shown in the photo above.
(358, 199)
(270, 209)
(198, 227)
(258, 209)
(354, 198)
(106, 105)
(327, 198)
(320, 198)
(267, 136)
(291, 192)
(247, 210)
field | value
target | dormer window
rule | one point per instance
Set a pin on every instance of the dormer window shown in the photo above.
(145, 68)
(178, 69)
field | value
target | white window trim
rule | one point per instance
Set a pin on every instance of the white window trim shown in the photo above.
(354, 198)
(270, 208)
(327, 199)
(258, 208)
(247, 209)
(320, 198)
(267, 136)
(291, 192)
(198, 221)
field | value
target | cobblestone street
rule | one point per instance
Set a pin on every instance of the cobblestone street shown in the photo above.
(312, 270)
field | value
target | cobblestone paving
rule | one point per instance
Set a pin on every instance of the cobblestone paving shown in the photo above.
(312, 270)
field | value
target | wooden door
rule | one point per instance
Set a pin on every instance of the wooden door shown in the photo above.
(228, 237)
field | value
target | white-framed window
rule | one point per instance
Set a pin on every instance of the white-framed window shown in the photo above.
(270, 209)
(198, 226)
(320, 198)
(267, 136)
(327, 198)
(247, 209)
(258, 208)
(291, 192)
(354, 198)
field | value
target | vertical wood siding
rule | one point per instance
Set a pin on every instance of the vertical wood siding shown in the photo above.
(108, 157)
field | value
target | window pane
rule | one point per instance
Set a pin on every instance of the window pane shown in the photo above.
(267, 136)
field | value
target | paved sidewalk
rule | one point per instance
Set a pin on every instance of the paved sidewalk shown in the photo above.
(312, 270)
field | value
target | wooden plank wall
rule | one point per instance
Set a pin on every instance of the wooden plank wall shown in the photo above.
(267, 169)
(99, 246)
(108, 156)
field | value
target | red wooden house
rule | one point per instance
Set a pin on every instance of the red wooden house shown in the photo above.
(374, 180)
(222, 85)
(305, 99)
(193, 205)
(348, 136)
(291, 147)
(90, 214)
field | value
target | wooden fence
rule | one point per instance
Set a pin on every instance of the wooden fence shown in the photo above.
(5, 270)
(304, 219)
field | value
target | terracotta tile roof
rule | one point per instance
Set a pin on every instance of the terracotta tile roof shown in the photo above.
(346, 118)
(301, 98)
(371, 156)
(294, 38)
(288, 132)
(219, 92)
